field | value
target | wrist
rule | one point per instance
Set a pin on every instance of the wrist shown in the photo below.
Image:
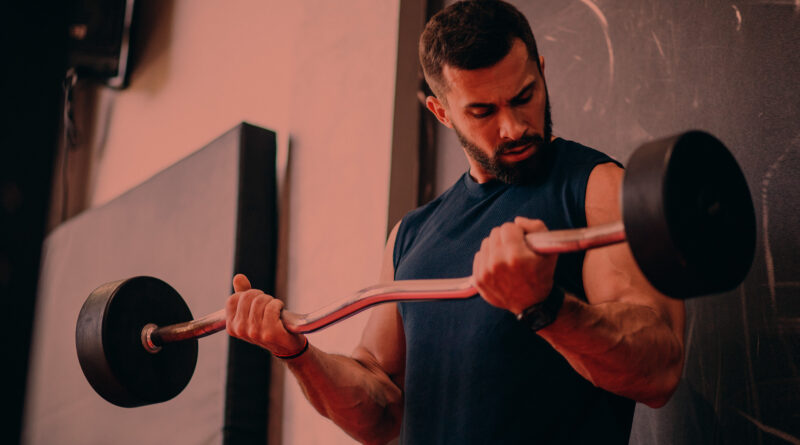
(544, 313)
(297, 353)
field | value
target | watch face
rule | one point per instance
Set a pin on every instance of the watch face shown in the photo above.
(542, 314)
(537, 318)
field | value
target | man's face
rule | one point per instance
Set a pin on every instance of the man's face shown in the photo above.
(501, 116)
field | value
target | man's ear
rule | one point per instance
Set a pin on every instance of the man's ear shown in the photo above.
(541, 65)
(438, 110)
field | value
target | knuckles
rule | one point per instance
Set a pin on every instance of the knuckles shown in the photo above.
(240, 324)
(497, 268)
(503, 230)
(253, 316)
(275, 304)
(508, 226)
(502, 256)
(505, 268)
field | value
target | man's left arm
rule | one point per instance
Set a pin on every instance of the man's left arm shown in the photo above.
(628, 338)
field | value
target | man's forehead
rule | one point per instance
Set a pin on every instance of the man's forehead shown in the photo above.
(501, 81)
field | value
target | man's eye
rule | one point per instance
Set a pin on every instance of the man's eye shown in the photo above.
(522, 100)
(484, 114)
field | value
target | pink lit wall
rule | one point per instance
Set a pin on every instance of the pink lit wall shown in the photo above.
(319, 73)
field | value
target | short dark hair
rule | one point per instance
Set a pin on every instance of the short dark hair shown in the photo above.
(471, 34)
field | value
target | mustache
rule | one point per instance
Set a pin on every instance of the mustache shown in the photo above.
(534, 139)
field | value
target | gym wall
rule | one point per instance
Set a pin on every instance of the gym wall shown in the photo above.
(322, 76)
(621, 73)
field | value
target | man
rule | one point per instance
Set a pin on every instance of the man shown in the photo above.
(594, 335)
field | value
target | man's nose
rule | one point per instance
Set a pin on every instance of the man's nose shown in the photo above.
(511, 123)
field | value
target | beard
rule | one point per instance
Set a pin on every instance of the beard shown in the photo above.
(527, 171)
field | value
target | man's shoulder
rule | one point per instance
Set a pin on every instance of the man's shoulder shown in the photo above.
(573, 152)
(424, 211)
(416, 219)
(576, 151)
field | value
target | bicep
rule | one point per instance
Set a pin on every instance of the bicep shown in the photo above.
(383, 341)
(610, 274)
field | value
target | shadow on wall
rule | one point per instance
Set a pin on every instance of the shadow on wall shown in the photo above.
(91, 106)
(152, 38)
(687, 419)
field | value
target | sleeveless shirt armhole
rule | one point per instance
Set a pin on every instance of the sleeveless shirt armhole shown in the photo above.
(410, 225)
(398, 240)
(595, 158)
(577, 208)
(409, 222)
(583, 199)
(579, 205)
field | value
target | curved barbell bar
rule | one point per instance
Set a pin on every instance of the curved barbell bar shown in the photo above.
(548, 242)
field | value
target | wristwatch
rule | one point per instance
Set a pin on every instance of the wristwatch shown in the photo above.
(542, 314)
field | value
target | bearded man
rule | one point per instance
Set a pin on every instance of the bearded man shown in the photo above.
(556, 349)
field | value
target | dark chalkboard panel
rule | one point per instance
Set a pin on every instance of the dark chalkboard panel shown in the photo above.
(621, 73)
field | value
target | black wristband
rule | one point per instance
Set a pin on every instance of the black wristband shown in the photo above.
(543, 313)
(296, 354)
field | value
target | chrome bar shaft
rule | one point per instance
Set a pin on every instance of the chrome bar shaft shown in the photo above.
(550, 242)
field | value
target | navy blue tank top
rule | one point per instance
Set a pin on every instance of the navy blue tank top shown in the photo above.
(474, 375)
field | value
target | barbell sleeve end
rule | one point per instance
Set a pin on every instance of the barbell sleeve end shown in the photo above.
(154, 337)
(147, 338)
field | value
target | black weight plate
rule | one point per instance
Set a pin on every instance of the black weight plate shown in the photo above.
(110, 351)
(688, 215)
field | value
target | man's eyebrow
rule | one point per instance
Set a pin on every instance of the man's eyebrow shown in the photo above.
(523, 91)
(519, 95)
(478, 105)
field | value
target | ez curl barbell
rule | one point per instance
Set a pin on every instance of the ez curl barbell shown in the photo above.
(687, 216)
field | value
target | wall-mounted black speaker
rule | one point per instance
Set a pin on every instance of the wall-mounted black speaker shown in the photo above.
(99, 40)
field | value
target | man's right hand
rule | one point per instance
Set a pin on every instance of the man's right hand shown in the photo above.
(255, 317)
(361, 393)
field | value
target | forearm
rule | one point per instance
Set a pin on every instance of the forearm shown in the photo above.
(358, 397)
(627, 349)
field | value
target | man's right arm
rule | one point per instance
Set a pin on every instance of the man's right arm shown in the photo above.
(361, 393)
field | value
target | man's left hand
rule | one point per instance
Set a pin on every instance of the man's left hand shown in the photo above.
(507, 273)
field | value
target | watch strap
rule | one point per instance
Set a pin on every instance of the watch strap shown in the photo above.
(545, 312)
